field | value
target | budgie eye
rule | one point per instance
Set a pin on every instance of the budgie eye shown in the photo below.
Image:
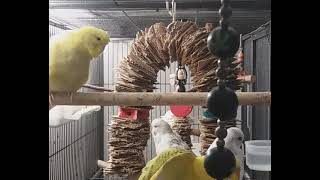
(240, 138)
(98, 38)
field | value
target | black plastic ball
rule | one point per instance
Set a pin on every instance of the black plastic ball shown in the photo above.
(219, 163)
(225, 11)
(223, 43)
(223, 103)
(220, 143)
(221, 132)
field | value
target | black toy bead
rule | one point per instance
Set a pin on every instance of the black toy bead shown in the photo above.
(221, 72)
(221, 83)
(222, 43)
(219, 163)
(223, 103)
(225, 11)
(220, 143)
(221, 133)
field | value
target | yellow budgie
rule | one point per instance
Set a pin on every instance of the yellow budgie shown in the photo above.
(70, 54)
(174, 164)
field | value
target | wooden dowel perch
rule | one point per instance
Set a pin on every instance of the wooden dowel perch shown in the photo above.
(151, 99)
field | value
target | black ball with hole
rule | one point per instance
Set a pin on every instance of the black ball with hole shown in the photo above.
(223, 43)
(219, 163)
(223, 103)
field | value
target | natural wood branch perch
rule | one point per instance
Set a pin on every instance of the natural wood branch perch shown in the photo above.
(151, 99)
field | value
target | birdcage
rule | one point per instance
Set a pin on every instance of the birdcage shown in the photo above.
(75, 147)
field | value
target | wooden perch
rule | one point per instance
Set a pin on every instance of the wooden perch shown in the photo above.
(195, 132)
(151, 99)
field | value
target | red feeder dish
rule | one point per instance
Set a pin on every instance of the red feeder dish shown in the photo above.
(134, 114)
(181, 111)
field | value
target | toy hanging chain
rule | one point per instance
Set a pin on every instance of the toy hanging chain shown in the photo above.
(222, 101)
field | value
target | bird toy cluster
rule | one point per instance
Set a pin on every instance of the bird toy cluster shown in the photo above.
(222, 101)
(152, 50)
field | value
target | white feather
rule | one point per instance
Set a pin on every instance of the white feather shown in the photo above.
(60, 115)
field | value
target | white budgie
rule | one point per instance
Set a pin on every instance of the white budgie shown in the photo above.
(234, 142)
(60, 115)
(164, 138)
